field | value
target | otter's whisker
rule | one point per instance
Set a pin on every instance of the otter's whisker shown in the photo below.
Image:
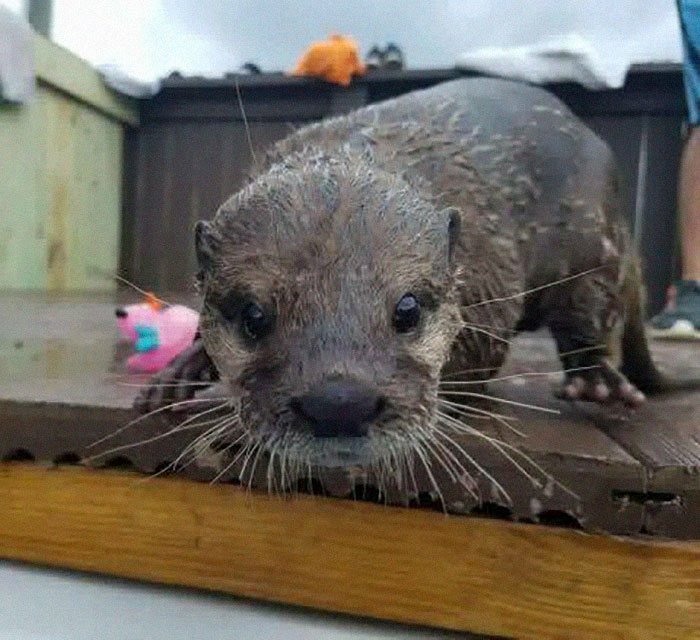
(474, 463)
(408, 464)
(150, 414)
(515, 376)
(481, 325)
(135, 287)
(393, 477)
(283, 468)
(487, 333)
(471, 412)
(293, 464)
(172, 466)
(251, 475)
(204, 441)
(470, 485)
(270, 473)
(310, 482)
(466, 479)
(245, 122)
(501, 446)
(461, 372)
(422, 457)
(446, 464)
(160, 436)
(405, 461)
(524, 405)
(465, 408)
(243, 451)
(396, 468)
(215, 430)
(175, 464)
(177, 384)
(573, 352)
(521, 294)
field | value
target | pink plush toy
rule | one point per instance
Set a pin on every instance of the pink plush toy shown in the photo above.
(158, 332)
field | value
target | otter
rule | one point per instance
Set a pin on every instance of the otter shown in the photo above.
(375, 254)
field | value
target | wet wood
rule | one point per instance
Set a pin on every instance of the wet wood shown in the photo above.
(665, 437)
(604, 469)
(61, 391)
(472, 574)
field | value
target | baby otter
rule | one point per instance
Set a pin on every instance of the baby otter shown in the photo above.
(378, 252)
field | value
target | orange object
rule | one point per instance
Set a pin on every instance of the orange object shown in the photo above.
(153, 302)
(335, 59)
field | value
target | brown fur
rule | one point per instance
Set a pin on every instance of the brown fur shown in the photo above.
(474, 196)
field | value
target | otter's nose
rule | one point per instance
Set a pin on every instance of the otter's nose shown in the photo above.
(339, 409)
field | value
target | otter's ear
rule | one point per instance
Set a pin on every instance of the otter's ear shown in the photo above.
(454, 225)
(205, 242)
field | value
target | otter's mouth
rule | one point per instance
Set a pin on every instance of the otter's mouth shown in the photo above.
(340, 452)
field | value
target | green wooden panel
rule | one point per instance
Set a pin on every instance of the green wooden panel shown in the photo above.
(23, 260)
(60, 184)
(60, 178)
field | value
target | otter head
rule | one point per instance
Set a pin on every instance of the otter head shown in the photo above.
(329, 308)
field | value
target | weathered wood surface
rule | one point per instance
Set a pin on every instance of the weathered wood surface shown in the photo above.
(611, 469)
(471, 574)
(61, 178)
(58, 68)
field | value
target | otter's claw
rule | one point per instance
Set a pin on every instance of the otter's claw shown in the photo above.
(601, 384)
(187, 377)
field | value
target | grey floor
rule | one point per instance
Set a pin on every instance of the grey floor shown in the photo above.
(39, 604)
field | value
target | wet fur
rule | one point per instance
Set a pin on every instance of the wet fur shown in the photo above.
(467, 195)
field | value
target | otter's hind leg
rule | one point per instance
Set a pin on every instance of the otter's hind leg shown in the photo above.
(585, 319)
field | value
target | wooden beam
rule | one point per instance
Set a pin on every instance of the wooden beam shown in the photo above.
(62, 70)
(478, 575)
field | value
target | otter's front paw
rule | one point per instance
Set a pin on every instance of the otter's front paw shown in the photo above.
(188, 377)
(600, 383)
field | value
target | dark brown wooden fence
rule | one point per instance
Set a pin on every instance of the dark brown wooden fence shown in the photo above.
(191, 152)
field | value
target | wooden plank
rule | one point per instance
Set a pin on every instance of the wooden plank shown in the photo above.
(567, 443)
(62, 70)
(62, 390)
(188, 169)
(61, 189)
(23, 242)
(412, 566)
(297, 107)
(664, 436)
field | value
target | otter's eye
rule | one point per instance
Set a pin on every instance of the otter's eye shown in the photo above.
(255, 322)
(407, 313)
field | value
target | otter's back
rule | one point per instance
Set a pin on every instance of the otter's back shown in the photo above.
(527, 147)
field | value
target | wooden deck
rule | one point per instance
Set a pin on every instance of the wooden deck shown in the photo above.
(611, 469)
(469, 574)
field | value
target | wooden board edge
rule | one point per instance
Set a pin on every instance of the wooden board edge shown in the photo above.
(62, 70)
(412, 566)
